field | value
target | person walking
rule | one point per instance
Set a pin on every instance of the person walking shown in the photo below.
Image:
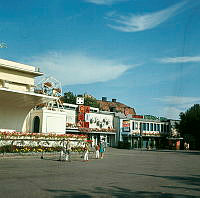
(97, 148)
(102, 149)
(86, 152)
(62, 151)
(68, 151)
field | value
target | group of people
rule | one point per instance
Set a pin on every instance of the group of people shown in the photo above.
(186, 146)
(100, 149)
(65, 154)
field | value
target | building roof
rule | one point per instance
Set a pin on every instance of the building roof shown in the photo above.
(20, 67)
(116, 107)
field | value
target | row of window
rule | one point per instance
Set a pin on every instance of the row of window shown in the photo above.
(155, 127)
(147, 127)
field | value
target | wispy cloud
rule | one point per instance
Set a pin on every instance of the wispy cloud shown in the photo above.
(136, 23)
(78, 68)
(104, 2)
(174, 105)
(178, 100)
(183, 59)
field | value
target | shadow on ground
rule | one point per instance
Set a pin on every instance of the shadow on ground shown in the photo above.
(192, 180)
(113, 191)
(189, 152)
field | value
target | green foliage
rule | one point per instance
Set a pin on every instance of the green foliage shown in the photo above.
(92, 102)
(189, 126)
(69, 97)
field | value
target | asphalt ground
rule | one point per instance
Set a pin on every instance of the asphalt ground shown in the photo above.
(122, 173)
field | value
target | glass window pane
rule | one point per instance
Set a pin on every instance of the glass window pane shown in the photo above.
(147, 126)
(151, 126)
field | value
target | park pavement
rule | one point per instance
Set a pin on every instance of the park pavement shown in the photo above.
(122, 173)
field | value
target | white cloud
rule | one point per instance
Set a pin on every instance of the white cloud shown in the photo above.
(178, 100)
(183, 59)
(78, 68)
(171, 112)
(174, 105)
(136, 23)
(104, 2)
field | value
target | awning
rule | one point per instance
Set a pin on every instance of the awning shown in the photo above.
(92, 132)
(175, 138)
(15, 106)
(23, 99)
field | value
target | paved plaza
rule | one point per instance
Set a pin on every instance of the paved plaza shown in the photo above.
(122, 173)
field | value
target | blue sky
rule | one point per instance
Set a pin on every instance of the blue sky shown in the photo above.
(144, 53)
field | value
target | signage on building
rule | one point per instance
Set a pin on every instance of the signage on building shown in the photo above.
(81, 108)
(79, 100)
(151, 117)
(138, 116)
(126, 125)
(82, 121)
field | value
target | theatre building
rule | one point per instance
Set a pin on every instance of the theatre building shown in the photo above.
(17, 94)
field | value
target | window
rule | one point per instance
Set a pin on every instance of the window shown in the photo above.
(147, 126)
(165, 128)
(144, 127)
(154, 127)
(133, 127)
(151, 126)
(158, 127)
(162, 128)
(136, 125)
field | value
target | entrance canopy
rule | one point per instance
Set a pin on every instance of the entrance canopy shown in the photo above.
(15, 106)
(22, 99)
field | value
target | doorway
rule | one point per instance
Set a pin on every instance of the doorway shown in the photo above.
(36, 124)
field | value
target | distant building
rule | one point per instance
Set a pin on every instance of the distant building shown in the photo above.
(140, 132)
(114, 106)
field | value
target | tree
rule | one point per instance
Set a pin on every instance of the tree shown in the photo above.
(69, 97)
(92, 102)
(189, 126)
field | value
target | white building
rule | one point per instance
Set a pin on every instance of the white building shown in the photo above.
(17, 95)
(139, 132)
(98, 125)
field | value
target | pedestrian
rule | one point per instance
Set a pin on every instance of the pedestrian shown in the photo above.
(62, 151)
(97, 148)
(102, 149)
(86, 152)
(68, 151)
(188, 146)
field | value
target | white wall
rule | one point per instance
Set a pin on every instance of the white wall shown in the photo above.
(50, 121)
(98, 120)
(13, 117)
(71, 116)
